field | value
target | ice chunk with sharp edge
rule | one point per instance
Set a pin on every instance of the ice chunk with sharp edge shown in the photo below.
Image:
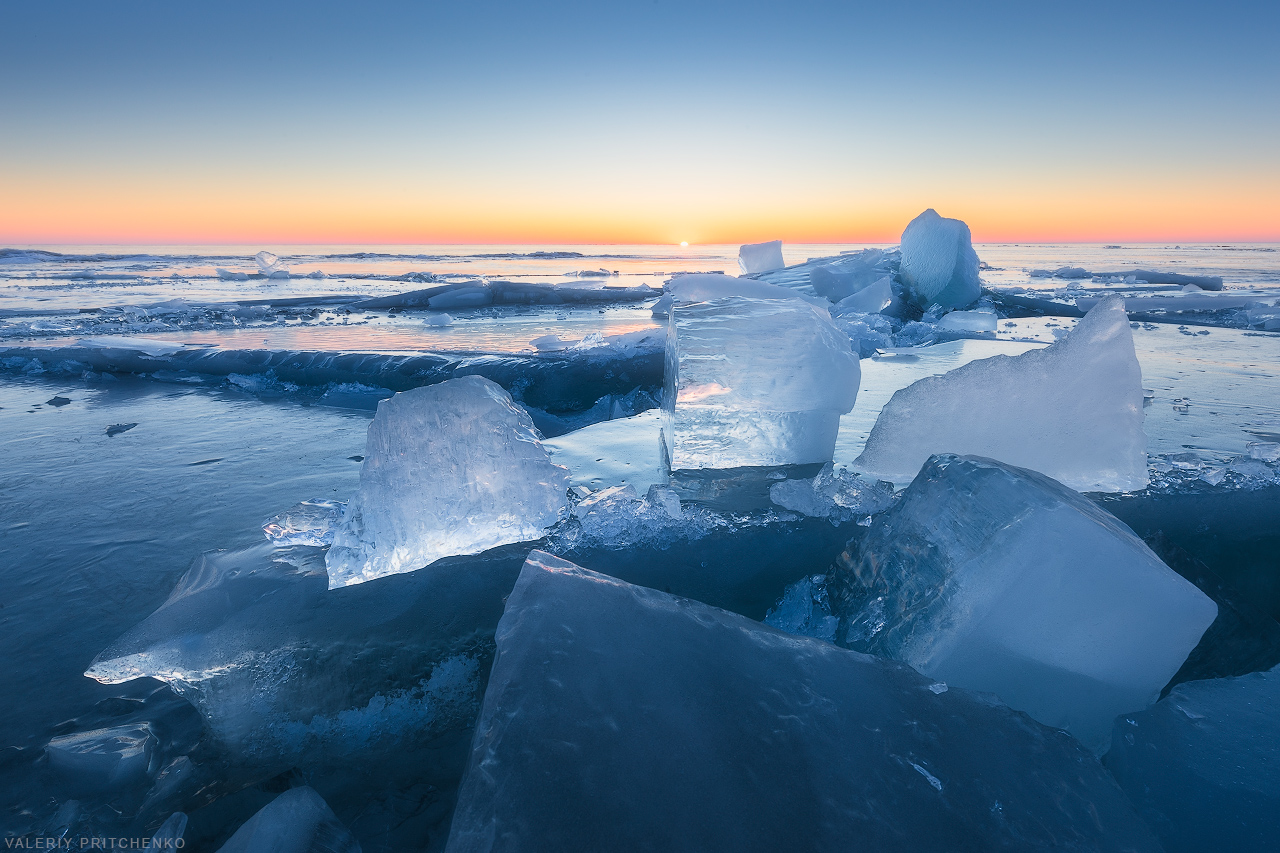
(103, 758)
(1000, 579)
(1072, 411)
(619, 718)
(870, 300)
(761, 257)
(297, 821)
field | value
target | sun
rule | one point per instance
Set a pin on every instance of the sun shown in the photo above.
(684, 244)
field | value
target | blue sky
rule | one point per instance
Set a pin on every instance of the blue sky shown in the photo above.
(649, 121)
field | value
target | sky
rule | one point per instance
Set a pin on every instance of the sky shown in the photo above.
(645, 122)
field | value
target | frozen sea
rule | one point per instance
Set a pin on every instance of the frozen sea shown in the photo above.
(160, 402)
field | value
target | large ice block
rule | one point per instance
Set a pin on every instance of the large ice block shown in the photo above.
(754, 382)
(1203, 765)
(297, 821)
(622, 718)
(761, 257)
(1000, 579)
(1072, 410)
(939, 265)
(453, 468)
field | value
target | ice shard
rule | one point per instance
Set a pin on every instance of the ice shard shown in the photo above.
(761, 257)
(851, 273)
(103, 759)
(733, 400)
(1000, 579)
(288, 672)
(453, 468)
(622, 718)
(1072, 410)
(939, 265)
(297, 821)
(1203, 765)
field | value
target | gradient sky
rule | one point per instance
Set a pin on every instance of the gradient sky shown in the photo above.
(648, 122)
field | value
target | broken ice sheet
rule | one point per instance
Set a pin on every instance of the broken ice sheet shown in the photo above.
(600, 730)
(281, 667)
(1000, 579)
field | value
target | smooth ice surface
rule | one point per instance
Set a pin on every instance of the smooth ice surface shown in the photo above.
(731, 402)
(1000, 579)
(939, 265)
(621, 718)
(297, 821)
(453, 468)
(1203, 765)
(761, 257)
(705, 286)
(1072, 410)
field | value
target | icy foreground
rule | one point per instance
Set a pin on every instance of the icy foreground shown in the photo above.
(735, 397)
(999, 579)
(297, 821)
(454, 468)
(1203, 765)
(939, 265)
(621, 718)
(282, 667)
(1072, 411)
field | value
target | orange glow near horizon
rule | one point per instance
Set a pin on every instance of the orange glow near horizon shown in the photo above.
(104, 215)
